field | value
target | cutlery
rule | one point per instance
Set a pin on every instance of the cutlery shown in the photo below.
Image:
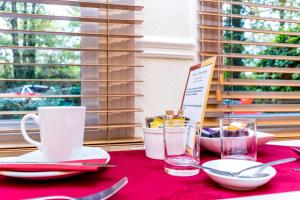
(235, 174)
(41, 167)
(297, 151)
(58, 163)
(102, 195)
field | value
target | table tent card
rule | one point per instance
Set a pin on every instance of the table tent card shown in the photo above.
(196, 94)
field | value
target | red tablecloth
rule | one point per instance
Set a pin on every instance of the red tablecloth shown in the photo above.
(147, 180)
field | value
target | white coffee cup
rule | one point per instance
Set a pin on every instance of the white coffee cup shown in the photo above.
(61, 131)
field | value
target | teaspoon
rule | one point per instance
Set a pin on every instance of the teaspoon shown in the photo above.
(234, 174)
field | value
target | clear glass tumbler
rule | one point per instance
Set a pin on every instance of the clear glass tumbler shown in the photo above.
(238, 138)
(181, 146)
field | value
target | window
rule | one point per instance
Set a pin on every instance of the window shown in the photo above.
(68, 53)
(257, 42)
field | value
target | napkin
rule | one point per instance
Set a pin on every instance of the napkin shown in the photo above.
(78, 165)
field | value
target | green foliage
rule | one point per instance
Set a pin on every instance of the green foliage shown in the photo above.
(232, 35)
(43, 40)
(50, 71)
(267, 50)
(32, 104)
(281, 51)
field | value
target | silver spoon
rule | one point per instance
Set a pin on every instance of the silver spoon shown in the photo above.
(234, 174)
(220, 172)
(257, 175)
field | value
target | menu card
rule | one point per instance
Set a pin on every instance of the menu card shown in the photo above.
(196, 94)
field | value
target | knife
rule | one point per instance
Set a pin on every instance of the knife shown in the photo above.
(59, 163)
(41, 167)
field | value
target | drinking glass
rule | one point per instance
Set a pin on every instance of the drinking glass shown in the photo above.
(238, 138)
(181, 146)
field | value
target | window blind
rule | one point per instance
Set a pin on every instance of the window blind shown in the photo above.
(257, 74)
(69, 53)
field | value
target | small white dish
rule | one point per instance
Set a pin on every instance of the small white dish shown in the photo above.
(154, 143)
(87, 153)
(214, 144)
(237, 183)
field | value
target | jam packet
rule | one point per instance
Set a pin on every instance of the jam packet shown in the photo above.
(177, 120)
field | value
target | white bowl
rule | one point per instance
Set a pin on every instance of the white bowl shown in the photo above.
(237, 183)
(154, 143)
(214, 144)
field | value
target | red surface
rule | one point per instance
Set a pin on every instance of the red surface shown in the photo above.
(147, 180)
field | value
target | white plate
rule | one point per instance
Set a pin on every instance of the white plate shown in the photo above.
(236, 183)
(36, 156)
(214, 144)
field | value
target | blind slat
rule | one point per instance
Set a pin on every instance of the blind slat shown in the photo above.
(17, 149)
(284, 133)
(274, 121)
(70, 65)
(87, 127)
(81, 34)
(88, 111)
(236, 29)
(254, 108)
(67, 18)
(69, 49)
(69, 96)
(249, 82)
(249, 17)
(286, 70)
(68, 80)
(258, 95)
(285, 8)
(252, 56)
(85, 4)
(271, 44)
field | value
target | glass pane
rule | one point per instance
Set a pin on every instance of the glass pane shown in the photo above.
(231, 45)
(26, 72)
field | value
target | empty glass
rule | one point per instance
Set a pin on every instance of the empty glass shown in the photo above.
(238, 138)
(182, 147)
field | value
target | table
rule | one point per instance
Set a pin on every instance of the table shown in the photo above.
(147, 180)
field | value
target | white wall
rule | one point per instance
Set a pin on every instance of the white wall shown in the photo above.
(169, 50)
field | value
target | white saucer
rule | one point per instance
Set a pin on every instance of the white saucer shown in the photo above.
(237, 183)
(36, 156)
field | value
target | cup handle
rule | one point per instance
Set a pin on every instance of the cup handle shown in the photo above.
(23, 129)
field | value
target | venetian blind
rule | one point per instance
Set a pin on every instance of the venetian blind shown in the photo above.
(257, 75)
(69, 53)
